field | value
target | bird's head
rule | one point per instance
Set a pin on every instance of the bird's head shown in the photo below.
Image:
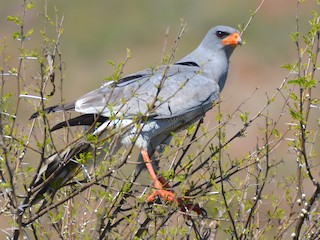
(222, 37)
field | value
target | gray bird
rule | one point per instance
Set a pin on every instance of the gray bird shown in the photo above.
(161, 100)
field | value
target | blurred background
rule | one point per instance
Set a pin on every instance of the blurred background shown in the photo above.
(99, 31)
(95, 32)
(102, 30)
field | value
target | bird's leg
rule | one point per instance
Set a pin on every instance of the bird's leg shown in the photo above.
(160, 183)
(165, 194)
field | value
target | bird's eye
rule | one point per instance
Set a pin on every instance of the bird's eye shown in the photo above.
(221, 34)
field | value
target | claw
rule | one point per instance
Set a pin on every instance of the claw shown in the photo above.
(161, 185)
(164, 194)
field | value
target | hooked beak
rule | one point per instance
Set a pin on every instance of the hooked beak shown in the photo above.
(233, 39)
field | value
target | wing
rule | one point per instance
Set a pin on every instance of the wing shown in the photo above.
(56, 108)
(161, 93)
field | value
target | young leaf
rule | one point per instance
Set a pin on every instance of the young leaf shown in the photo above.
(30, 5)
(14, 19)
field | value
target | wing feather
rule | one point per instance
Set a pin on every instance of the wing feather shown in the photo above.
(183, 89)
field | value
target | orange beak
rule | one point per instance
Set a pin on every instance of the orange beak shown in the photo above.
(232, 39)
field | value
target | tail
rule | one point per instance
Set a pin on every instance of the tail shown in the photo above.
(56, 108)
(57, 171)
(61, 167)
(82, 120)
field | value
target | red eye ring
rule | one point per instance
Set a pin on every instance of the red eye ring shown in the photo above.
(221, 34)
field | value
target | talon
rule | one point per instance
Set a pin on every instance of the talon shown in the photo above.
(164, 194)
(160, 183)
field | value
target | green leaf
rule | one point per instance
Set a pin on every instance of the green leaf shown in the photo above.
(298, 81)
(112, 63)
(16, 35)
(218, 117)
(126, 187)
(295, 115)
(14, 70)
(29, 32)
(311, 83)
(92, 138)
(128, 53)
(303, 82)
(279, 213)
(14, 19)
(287, 66)
(30, 5)
(191, 129)
(276, 133)
(294, 36)
(84, 157)
(293, 96)
(244, 117)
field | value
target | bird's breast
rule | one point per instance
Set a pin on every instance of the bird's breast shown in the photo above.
(157, 127)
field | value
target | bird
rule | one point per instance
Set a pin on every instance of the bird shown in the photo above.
(147, 106)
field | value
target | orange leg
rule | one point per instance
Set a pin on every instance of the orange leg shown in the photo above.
(165, 194)
(160, 183)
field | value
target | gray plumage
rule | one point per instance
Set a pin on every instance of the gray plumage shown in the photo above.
(169, 97)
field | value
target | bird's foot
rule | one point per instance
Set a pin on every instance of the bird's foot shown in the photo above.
(164, 194)
(170, 196)
(162, 186)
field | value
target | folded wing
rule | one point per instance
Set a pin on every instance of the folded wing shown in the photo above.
(158, 93)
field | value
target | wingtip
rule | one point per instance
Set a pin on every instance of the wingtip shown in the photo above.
(34, 115)
(46, 111)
